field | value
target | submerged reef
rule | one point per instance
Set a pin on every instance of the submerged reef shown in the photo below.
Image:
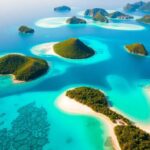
(29, 130)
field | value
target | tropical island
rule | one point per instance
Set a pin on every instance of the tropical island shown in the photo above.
(94, 11)
(75, 20)
(119, 15)
(96, 100)
(138, 6)
(73, 48)
(25, 29)
(99, 17)
(23, 68)
(100, 14)
(137, 48)
(128, 135)
(144, 19)
(62, 9)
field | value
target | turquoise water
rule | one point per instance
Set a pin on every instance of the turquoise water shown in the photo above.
(112, 69)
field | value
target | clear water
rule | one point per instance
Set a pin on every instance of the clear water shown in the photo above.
(113, 70)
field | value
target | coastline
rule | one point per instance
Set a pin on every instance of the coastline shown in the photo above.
(144, 127)
(48, 49)
(71, 106)
(13, 78)
(16, 81)
(136, 54)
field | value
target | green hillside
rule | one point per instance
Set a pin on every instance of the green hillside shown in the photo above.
(73, 49)
(22, 67)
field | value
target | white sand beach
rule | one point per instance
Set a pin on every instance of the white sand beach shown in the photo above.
(45, 49)
(144, 127)
(16, 81)
(71, 106)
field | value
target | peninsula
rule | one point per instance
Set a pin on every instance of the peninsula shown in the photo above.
(123, 133)
(23, 68)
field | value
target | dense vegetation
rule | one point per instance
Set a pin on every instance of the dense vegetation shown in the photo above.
(100, 17)
(62, 9)
(129, 136)
(25, 29)
(75, 20)
(22, 67)
(73, 49)
(96, 100)
(138, 6)
(137, 48)
(94, 11)
(145, 19)
(119, 15)
(132, 138)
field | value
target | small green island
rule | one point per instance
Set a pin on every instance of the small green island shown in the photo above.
(62, 9)
(144, 19)
(101, 15)
(97, 14)
(137, 48)
(73, 48)
(94, 11)
(25, 29)
(23, 68)
(101, 18)
(75, 20)
(119, 15)
(129, 136)
(140, 6)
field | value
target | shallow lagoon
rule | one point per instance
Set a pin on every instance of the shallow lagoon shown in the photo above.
(116, 72)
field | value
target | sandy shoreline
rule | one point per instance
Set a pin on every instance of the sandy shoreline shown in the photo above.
(13, 78)
(127, 50)
(141, 126)
(16, 81)
(46, 49)
(71, 106)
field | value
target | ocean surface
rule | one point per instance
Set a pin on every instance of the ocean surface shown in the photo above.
(119, 74)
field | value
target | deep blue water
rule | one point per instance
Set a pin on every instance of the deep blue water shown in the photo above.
(118, 73)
